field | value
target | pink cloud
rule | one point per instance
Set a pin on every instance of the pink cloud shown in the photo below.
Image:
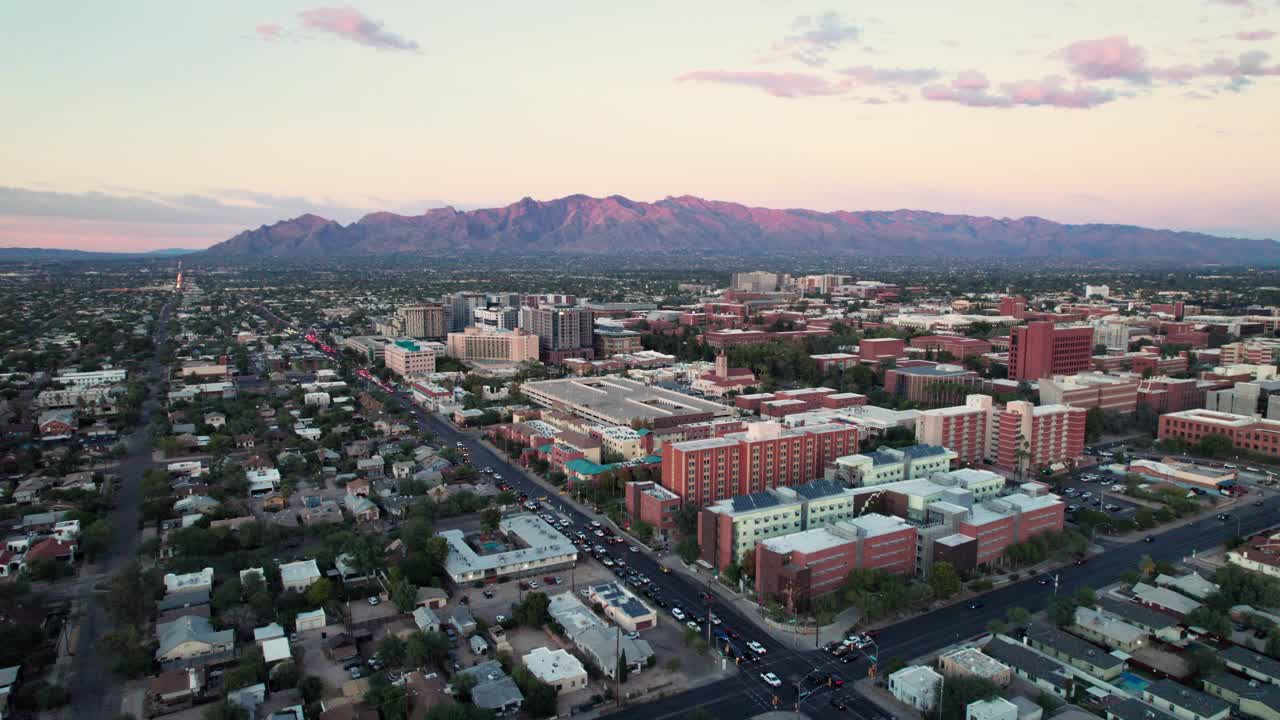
(868, 75)
(350, 24)
(970, 89)
(970, 80)
(1107, 58)
(269, 32)
(1255, 35)
(784, 85)
(817, 37)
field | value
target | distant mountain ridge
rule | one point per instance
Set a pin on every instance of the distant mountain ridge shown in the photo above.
(579, 224)
(35, 253)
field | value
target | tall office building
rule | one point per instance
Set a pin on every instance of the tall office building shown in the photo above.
(759, 281)
(563, 332)
(464, 305)
(1113, 335)
(1040, 349)
(422, 321)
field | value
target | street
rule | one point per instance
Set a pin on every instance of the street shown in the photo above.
(95, 692)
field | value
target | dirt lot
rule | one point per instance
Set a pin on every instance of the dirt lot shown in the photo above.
(310, 653)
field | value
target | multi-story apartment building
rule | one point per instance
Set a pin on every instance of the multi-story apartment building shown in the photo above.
(563, 332)
(1040, 349)
(796, 568)
(1245, 431)
(961, 429)
(91, 378)
(727, 530)
(496, 318)
(502, 346)
(1168, 395)
(405, 356)
(1023, 436)
(1110, 393)
(422, 320)
(766, 456)
(1259, 351)
(759, 281)
(888, 464)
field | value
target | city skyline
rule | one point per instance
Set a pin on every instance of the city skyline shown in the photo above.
(156, 126)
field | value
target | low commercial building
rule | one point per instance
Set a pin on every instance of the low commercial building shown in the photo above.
(622, 607)
(618, 401)
(557, 668)
(918, 686)
(972, 662)
(601, 643)
(1186, 475)
(540, 547)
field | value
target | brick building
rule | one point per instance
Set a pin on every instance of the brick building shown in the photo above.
(1245, 432)
(959, 347)
(1041, 349)
(1050, 435)
(651, 503)
(872, 349)
(767, 455)
(796, 568)
(1170, 395)
(961, 429)
(1110, 393)
(931, 385)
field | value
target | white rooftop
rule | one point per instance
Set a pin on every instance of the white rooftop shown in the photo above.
(552, 666)
(540, 540)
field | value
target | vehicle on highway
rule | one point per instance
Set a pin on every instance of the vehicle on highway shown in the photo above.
(756, 647)
(839, 704)
(666, 570)
(1224, 517)
(677, 613)
(693, 626)
(976, 605)
(770, 679)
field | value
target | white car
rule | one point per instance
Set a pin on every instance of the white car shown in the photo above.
(693, 626)
(677, 613)
(500, 619)
(756, 647)
(770, 679)
(715, 619)
(533, 584)
(374, 600)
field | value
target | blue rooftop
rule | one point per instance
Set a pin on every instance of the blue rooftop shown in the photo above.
(922, 451)
(880, 457)
(936, 371)
(818, 489)
(754, 501)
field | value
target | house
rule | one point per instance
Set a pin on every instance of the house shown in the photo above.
(310, 620)
(247, 573)
(323, 513)
(1045, 673)
(262, 481)
(917, 686)
(432, 597)
(59, 551)
(1164, 600)
(249, 698)
(1252, 698)
(371, 466)
(604, 644)
(359, 486)
(462, 620)
(1183, 702)
(556, 668)
(188, 582)
(298, 576)
(972, 662)
(426, 619)
(493, 691)
(174, 688)
(479, 646)
(274, 502)
(362, 508)
(215, 419)
(267, 632)
(402, 470)
(244, 442)
(195, 504)
(28, 491)
(1135, 709)
(192, 642)
(1108, 630)
(1155, 623)
(1190, 584)
(183, 600)
(58, 424)
(276, 649)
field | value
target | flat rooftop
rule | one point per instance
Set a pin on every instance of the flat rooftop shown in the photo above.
(541, 542)
(806, 541)
(617, 400)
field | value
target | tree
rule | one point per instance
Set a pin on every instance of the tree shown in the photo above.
(944, 580)
(960, 690)
(1018, 615)
(1086, 597)
(95, 538)
(319, 592)
(688, 550)
(403, 593)
(1094, 424)
(623, 669)
(1214, 446)
(1203, 662)
(392, 650)
(224, 710)
(539, 697)
(490, 519)
(1062, 611)
(533, 612)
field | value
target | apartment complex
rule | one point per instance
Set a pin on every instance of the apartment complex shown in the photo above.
(478, 345)
(563, 331)
(1040, 349)
(795, 568)
(405, 356)
(767, 455)
(1245, 431)
(1015, 436)
(961, 429)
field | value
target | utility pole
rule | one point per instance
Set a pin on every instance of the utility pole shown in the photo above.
(617, 662)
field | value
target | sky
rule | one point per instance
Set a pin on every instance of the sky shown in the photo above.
(156, 124)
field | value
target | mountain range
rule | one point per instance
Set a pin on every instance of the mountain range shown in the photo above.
(579, 224)
(29, 254)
